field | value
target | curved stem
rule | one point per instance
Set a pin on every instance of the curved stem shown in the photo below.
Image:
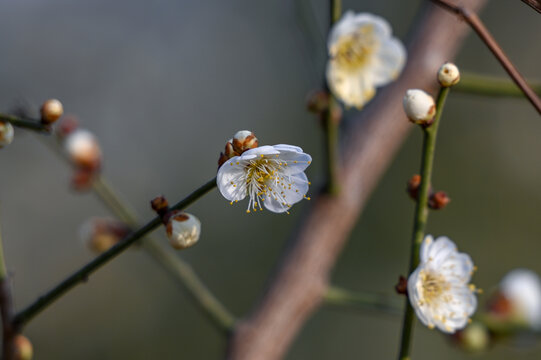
(421, 216)
(477, 84)
(6, 310)
(83, 273)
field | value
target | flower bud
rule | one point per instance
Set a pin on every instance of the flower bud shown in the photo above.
(244, 140)
(474, 338)
(419, 106)
(66, 126)
(318, 101)
(83, 149)
(51, 110)
(23, 348)
(6, 133)
(448, 74)
(413, 186)
(183, 230)
(100, 234)
(438, 200)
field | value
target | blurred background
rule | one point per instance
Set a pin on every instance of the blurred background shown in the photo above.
(163, 85)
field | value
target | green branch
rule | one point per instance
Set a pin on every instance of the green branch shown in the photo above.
(366, 301)
(83, 273)
(421, 216)
(30, 124)
(486, 85)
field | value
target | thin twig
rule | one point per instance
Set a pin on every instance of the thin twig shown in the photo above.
(83, 273)
(421, 215)
(26, 123)
(477, 25)
(6, 310)
(366, 301)
(486, 85)
(331, 123)
(534, 4)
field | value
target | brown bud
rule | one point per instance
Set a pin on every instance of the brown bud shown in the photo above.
(66, 126)
(336, 114)
(242, 141)
(51, 110)
(222, 159)
(23, 348)
(402, 286)
(318, 101)
(83, 179)
(160, 205)
(438, 200)
(413, 186)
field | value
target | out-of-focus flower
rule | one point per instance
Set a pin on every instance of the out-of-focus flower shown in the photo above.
(439, 289)
(272, 175)
(6, 133)
(183, 229)
(419, 106)
(363, 55)
(83, 149)
(100, 234)
(474, 338)
(518, 299)
(23, 348)
(51, 110)
(448, 74)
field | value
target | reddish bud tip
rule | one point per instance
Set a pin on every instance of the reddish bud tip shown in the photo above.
(317, 101)
(66, 126)
(438, 200)
(413, 186)
(23, 348)
(402, 286)
(51, 110)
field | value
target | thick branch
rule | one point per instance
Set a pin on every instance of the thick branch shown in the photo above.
(296, 290)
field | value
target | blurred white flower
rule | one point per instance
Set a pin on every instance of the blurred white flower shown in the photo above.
(439, 289)
(522, 288)
(363, 56)
(83, 149)
(6, 133)
(272, 175)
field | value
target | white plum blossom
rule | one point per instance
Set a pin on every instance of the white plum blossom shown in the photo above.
(363, 55)
(439, 289)
(272, 176)
(183, 230)
(522, 288)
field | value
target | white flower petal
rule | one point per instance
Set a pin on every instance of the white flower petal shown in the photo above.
(390, 62)
(285, 147)
(350, 23)
(265, 150)
(425, 246)
(353, 89)
(231, 180)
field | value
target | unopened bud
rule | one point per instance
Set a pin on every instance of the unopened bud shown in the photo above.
(413, 186)
(438, 200)
(100, 234)
(318, 101)
(23, 348)
(160, 205)
(419, 106)
(244, 140)
(183, 230)
(474, 338)
(6, 133)
(82, 178)
(51, 110)
(83, 149)
(336, 114)
(66, 126)
(448, 74)
(402, 286)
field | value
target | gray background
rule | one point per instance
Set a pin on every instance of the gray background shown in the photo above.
(164, 84)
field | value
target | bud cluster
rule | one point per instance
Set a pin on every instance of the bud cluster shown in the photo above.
(183, 230)
(242, 141)
(436, 200)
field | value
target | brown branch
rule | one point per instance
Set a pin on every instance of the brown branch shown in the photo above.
(6, 310)
(301, 279)
(477, 25)
(534, 4)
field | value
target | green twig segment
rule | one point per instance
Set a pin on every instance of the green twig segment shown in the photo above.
(177, 267)
(83, 273)
(330, 123)
(486, 85)
(421, 216)
(362, 300)
(30, 124)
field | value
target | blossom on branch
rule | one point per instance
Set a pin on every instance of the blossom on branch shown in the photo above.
(439, 289)
(269, 175)
(363, 55)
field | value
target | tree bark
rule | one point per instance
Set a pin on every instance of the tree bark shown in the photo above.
(301, 278)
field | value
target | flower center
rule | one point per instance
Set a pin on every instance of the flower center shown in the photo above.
(354, 51)
(433, 287)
